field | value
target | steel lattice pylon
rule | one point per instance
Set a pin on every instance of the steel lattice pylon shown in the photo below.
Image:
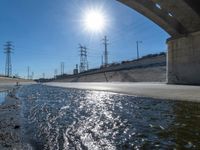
(83, 59)
(8, 66)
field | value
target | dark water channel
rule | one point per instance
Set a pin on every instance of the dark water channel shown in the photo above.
(57, 118)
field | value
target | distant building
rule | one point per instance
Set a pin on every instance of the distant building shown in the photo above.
(76, 70)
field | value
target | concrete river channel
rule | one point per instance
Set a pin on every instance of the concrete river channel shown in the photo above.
(59, 118)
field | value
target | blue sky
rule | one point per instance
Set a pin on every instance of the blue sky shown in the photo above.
(47, 32)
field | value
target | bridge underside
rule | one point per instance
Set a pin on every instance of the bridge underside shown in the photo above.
(180, 19)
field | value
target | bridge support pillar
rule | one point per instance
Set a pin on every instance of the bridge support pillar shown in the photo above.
(184, 60)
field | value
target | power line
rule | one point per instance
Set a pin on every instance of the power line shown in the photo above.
(8, 66)
(131, 29)
(28, 72)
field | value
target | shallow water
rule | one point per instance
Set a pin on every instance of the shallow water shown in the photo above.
(3, 95)
(57, 118)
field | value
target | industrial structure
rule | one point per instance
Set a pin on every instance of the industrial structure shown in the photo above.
(8, 48)
(75, 71)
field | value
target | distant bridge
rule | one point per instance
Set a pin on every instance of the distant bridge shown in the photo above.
(181, 19)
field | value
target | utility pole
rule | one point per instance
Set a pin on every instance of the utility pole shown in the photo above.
(28, 73)
(8, 66)
(62, 68)
(55, 73)
(86, 61)
(137, 43)
(83, 59)
(43, 75)
(87, 65)
(102, 60)
(105, 42)
(32, 75)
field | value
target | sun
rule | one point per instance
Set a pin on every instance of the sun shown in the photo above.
(94, 21)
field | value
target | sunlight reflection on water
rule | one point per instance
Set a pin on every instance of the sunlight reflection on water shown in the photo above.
(57, 118)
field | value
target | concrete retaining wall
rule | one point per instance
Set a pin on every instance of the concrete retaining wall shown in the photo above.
(184, 60)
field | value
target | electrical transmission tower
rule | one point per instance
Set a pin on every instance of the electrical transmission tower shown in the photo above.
(105, 42)
(83, 59)
(8, 66)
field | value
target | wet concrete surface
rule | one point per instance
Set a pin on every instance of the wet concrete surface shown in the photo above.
(10, 85)
(10, 123)
(144, 89)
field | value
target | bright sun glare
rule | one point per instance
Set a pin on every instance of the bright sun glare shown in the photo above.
(94, 20)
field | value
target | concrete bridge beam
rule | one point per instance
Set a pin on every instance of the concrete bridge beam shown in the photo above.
(183, 12)
(181, 19)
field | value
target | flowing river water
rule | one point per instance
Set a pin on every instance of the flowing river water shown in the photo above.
(57, 118)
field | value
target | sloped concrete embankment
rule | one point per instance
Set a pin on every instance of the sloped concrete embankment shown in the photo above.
(9, 83)
(145, 70)
(151, 74)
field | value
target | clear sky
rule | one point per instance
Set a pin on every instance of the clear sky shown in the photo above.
(47, 32)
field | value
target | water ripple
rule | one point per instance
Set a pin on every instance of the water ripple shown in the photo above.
(57, 118)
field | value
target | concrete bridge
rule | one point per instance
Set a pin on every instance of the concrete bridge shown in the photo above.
(181, 19)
